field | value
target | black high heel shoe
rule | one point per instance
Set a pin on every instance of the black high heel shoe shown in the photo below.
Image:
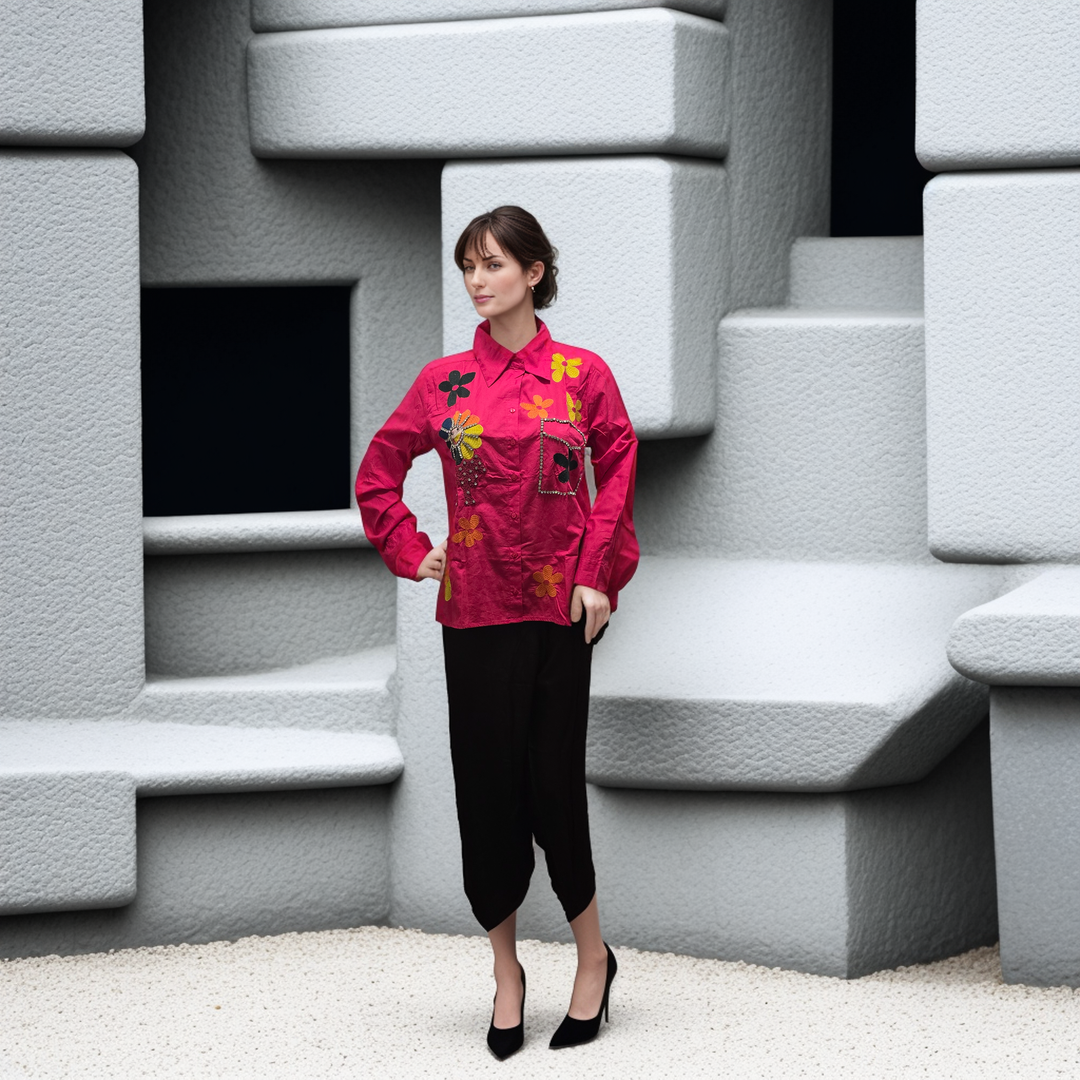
(573, 1032)
(503, 1042)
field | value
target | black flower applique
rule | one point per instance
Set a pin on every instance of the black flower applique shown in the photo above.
(569, 464)
(454, 386)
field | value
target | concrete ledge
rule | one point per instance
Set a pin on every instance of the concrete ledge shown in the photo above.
(644, 81)
(318, 14)
(768, 676)
(863, 273)
(1028, 637)
(209, 534)
(339, 694)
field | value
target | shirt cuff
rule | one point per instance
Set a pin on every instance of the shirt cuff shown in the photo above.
(591, 577)
(408, 559)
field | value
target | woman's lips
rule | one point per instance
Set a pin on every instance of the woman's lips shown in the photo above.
(480, 299)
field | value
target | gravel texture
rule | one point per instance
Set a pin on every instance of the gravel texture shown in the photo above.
(375, 1002)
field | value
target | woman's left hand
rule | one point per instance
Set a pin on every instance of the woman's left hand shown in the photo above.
(596, 606)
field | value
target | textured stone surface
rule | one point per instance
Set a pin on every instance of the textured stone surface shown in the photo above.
(781, 676)
(642, 81)
(181, 759)
(214, 867)
(71, 74)
(343, 693)
(820, 422)
(315, 14)
(866, 273)
(998, 87)
(643, 250)
(68, 837)
(300, 530)
(1002, 275)
(1028, 637)
(70, 491)
(227, 614)
(211, 214)
(1035, 738)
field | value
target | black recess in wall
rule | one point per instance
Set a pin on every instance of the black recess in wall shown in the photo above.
(877, 181)
(245, 399)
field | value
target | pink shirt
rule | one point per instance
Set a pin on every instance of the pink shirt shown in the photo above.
(511, 429)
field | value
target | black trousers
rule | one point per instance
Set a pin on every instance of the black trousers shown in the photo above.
(519, 707)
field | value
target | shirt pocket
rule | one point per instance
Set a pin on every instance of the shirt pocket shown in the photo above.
(561, 457)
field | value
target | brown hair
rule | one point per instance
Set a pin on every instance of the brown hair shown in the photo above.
(519, 234)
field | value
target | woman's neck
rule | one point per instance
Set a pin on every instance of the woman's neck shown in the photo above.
(514, 330)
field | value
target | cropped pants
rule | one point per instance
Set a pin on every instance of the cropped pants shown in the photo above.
(519, 707)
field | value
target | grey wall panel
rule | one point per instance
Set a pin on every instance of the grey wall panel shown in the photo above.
(998, 84)
(71, 527)
(71, 74)
(1002, 275)
(644, 81)
(213, 867)
(211, 214)
(226, 614)
(315, 14)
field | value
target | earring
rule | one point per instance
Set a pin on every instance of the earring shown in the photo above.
(532, 288)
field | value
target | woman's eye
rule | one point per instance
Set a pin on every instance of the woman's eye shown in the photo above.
(494, 266)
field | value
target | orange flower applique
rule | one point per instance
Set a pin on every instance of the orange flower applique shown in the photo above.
(538, 406)
(468, 532)
(573, 408)
(546, 580)
(560, 366)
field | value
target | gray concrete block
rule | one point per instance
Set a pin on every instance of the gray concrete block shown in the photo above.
(836, 885)
(866, 273)
(767, 676)
(71, 74)
(997, 85)
(67, 838)
(821, 424)
(643, 257)
(215, 867)
(1035, 739)
(1028, 637)
(212, 534)
(71, 641)
(1002, 273)
(228, 614)
(317, 14)
(650, 80)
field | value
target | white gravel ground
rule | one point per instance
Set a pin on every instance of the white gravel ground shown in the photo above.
(378, 1002)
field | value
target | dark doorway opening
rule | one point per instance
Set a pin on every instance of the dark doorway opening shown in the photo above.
(245, 399)
(877, 181)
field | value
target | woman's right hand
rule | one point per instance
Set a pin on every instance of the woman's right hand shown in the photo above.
(434, 563)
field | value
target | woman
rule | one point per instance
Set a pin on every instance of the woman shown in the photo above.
(530, 573)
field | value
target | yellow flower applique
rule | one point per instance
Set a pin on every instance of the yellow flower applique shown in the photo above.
(560, 366)
(538, 406)
(468, 531)
(573, 408)
(546, 580)
(446, 584)
(462, 432)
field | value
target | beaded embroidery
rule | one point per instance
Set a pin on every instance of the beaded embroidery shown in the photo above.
(572, 449)
(470, 472)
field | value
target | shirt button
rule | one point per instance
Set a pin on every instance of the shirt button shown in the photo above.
(514, 516)
(512, 409)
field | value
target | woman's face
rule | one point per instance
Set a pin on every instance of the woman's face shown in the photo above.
(498, 283)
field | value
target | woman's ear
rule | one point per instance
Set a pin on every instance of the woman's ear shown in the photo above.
(536, 272)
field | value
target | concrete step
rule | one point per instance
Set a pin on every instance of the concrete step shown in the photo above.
(865, 273)
(779, 676)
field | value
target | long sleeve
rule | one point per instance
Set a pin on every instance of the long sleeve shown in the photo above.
(388, 522)
(609, 549)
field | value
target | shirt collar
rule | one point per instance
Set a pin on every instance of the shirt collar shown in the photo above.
(494, 358)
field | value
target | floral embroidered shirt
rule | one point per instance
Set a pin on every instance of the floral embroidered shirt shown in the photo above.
(511, 430)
